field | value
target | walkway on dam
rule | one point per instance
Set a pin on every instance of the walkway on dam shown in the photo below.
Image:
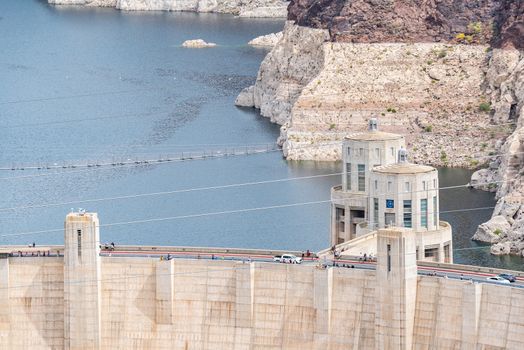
(451, 271)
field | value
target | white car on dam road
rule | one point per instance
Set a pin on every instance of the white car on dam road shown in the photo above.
(288, 259)
(498, 279)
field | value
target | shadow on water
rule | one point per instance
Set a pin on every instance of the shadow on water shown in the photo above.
(465, 223)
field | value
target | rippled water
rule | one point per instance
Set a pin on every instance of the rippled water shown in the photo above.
(97, 84)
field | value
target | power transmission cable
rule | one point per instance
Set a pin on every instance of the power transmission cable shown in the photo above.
(65, 97)
(207, 188)
(245, 210)
(140, 195)
(166, 161)
(55, 122)
(155, 113)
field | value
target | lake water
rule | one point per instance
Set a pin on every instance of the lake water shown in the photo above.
(83, 83)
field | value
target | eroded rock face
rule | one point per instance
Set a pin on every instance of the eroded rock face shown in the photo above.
(426, 91)
(246, 97)
(321, 91)
(98, 3)
(501, 248)
(268, 41)
(499, 22)
(505, 79)
(492, 231)
(380, 65)
(263, 8)
(485, 179)
(287, 69)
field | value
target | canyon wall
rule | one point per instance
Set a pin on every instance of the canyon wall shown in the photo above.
(292, 63)
(243, 8)
(505, 173)
(505, 86)
(419, 66)
(428, 92)
(319, 91)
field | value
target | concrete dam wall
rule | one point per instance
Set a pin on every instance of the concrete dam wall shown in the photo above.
(86, 301)
(199, 304)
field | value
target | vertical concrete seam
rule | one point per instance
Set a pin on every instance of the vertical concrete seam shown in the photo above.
(509, 318)
(436, 298)
(284, 307)
(252, 274)
(330, 299)
(359, 316)
(204, 333)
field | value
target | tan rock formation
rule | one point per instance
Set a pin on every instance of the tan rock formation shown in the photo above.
(493, 230)
(197, 44)
(269, 40)
(246, 98)
(287, 69)
(505, 78)
(320, 91)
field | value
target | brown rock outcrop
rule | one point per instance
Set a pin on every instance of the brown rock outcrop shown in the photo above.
(499, 22)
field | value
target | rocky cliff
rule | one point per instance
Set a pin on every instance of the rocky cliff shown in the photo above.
(243, 8)
(498, 22)
(418, 65)
(506, 172)
(320, 90)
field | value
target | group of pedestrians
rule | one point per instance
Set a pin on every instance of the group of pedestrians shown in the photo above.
(168, 257)
(33, 253)
(306, 254)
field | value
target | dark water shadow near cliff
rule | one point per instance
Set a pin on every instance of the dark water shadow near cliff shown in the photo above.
(465, 222)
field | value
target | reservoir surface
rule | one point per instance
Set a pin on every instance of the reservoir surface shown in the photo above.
(88, 84)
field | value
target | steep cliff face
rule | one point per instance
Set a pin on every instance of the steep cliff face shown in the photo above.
(506, 227)
(320, 91)
(509, 24)
(428, 92)
(243, 8)
(419, 65)
(285, 71)
(481, 21)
